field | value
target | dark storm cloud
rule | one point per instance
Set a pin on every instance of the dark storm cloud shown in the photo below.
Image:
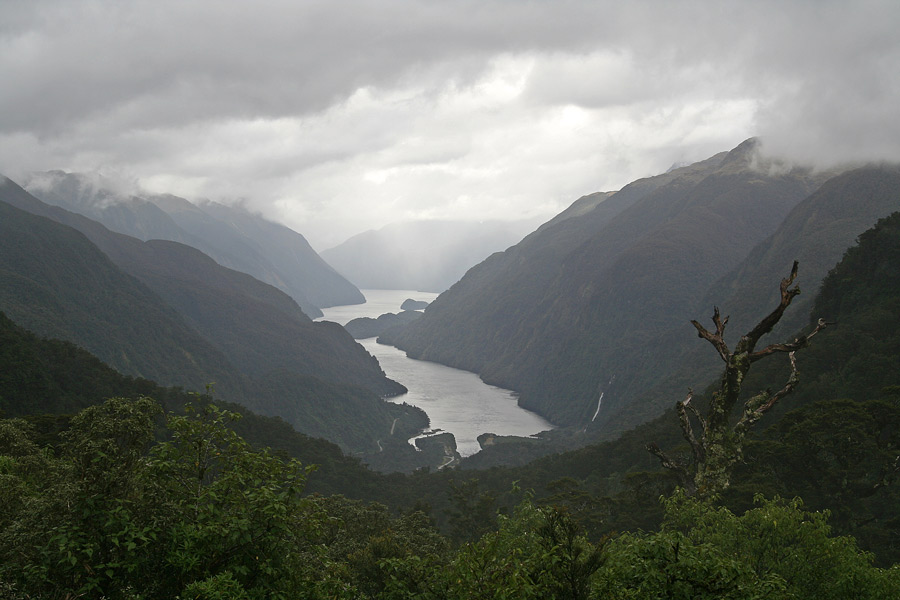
(165, 63)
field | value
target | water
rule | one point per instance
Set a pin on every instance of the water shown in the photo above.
(455, 401)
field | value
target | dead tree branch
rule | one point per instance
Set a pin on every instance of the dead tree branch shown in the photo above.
(717, 339)
(719, 446)
(749, 341)
(687, 430)
(797, 344)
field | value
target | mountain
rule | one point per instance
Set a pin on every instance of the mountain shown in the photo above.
(816, 233)
(166, 312)
(48, 380)
(292, 264)
(232, 236)
(257, 327)
(56, 283)
(574, 316)
(833, 441)
(421, 255)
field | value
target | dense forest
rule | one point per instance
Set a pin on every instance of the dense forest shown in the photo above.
(115, 487)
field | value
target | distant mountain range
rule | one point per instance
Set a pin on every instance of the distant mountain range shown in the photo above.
(164, 311)
(232, 236)
(428, 256)
(588, 317)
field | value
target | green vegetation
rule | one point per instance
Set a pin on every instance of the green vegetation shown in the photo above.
(180, 497)
(108, 512)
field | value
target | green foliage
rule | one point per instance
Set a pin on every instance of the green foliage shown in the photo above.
(103, 518)
(473, 512)
(839, 455)
(776, 550)
(222, 586)
(85, 522)
(205, 515)
(230, 508)
(780, 541)
(535, 553)
(669, 565)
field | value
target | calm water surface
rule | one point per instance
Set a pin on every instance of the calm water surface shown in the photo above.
(456, 401)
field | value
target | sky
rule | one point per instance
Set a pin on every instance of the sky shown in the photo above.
(335, 117)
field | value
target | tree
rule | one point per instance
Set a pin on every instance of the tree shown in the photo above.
(717, 449)
(86, 527)
(203, 515)
(232, 514)
(537, 552)
(782, 542)
(774, 550)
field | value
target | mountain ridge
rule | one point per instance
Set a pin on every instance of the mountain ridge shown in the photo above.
(232, 236)
(584, 306)
(303, 371)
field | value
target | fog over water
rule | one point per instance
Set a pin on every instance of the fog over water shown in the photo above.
(456, 401)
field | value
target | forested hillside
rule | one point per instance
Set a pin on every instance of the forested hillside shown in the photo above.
(167, 313)
(816, 233)
(58, 284)
(833, 441)
(597, 302)
(132, 510)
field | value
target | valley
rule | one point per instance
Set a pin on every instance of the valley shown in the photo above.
(587, 319)
(474, 300)
(456, 401)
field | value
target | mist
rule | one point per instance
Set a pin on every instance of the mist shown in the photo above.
(340, 118)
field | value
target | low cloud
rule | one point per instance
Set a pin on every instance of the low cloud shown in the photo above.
(338, 117)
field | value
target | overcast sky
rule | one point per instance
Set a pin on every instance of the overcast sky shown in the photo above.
(339, 116)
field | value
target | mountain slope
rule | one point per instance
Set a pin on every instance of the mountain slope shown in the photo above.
(576, 309)
(59, 284)
(55, 282)
(816, 233)
(291, 255)
(41, 377)
(233, 237)
(257, 327)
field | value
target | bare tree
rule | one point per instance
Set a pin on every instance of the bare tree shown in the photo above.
(719, 444)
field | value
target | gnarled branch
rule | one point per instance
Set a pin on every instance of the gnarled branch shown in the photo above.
(687, 430)
(797, 344)
(717, 339)
(749, 341)
(680, 469)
